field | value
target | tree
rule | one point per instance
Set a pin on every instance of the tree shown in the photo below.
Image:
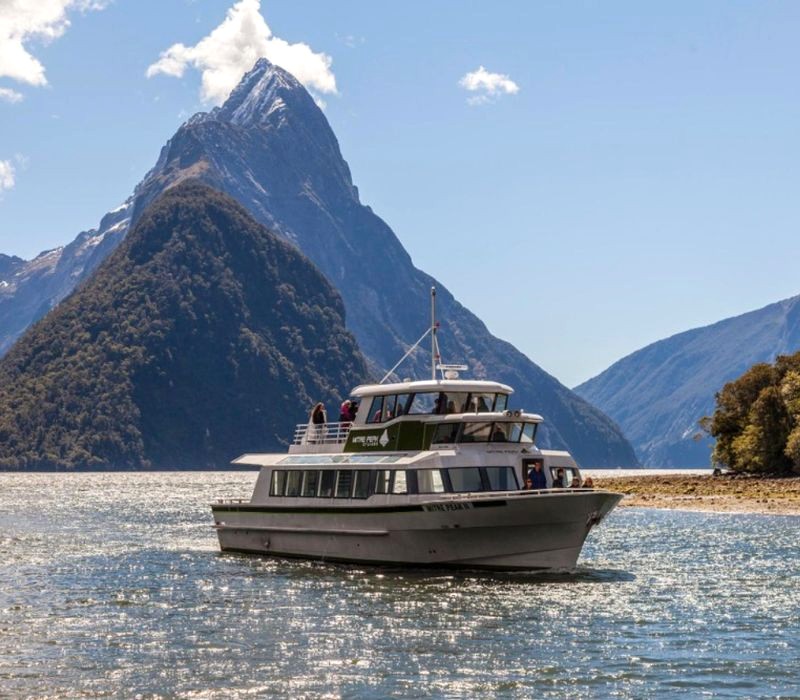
(756, 421)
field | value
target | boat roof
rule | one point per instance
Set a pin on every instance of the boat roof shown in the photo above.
(426, 385)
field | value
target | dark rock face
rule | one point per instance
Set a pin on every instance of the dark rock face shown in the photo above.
(202, 336)
(271, 148)
(659, 393)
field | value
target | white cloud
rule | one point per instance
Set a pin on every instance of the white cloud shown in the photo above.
(6, 175)
(9, 95)
(487, 86)
(232, 48)
(23, 21)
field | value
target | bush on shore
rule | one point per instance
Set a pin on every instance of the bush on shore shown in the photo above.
(756, 421)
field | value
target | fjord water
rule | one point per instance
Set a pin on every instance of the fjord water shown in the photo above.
(112, 585)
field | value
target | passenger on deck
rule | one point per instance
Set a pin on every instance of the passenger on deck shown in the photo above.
(558, 479)
(536, 477)
(316, 421)
(344, 412)
(588, 483)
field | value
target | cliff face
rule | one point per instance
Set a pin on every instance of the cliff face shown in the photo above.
(202, 336)
(271, 148)
(659, 393)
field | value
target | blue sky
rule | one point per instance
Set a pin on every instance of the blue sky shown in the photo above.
(640, 181)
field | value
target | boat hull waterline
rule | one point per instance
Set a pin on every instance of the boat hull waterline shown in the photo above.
(505, 532)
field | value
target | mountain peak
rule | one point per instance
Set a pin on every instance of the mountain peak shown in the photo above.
(263, 90)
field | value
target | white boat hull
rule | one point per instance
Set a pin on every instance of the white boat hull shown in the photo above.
(513, 531)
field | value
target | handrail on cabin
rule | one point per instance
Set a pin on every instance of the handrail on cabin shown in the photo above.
(321, 433)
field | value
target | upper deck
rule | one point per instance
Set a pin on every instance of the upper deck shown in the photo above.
(416, 415)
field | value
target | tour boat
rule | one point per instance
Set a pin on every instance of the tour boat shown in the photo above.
(427, 473)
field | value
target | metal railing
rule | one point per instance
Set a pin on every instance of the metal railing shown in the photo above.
(321, 433)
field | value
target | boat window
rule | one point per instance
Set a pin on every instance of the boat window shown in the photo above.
(293, 481)
(445, 432)
(344, 483)
(326, 482)
(278, 483)
(401, 408)
(465, 479)
(376, 410)
(500, 432)
(455, 402)
(514, 432)
(383, 478)
(502, 479)
(528, 432)
(399, 482)
(424, 404)
(429, 481)
(361, 488)
(501, 402)
(562, 477)
(476, 432)
(310, 483)
(388, 408)
(480, 403)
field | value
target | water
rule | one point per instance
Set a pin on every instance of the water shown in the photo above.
(111, 585)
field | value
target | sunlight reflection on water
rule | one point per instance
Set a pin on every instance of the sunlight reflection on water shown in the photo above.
(113, 585)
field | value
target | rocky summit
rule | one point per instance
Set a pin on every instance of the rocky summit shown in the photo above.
(659, 393)
(270, 147)
(201, 337)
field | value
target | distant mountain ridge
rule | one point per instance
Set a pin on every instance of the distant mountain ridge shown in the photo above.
(201, 337)
(270, 147)
(657, 394)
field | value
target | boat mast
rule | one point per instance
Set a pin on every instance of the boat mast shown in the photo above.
(433, 333)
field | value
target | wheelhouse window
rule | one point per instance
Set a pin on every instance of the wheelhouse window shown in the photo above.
(481, 403)
(424, 404)
(401, 407)
(376, 410)
(500, 432)
(528, 432)
(501, 479)
(445, 433)
(476, 432)
(501, 402)
(454, 402)
(465, 479)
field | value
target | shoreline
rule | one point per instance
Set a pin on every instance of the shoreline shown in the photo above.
(728, 493)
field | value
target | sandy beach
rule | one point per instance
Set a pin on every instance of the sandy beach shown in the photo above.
(704, 492)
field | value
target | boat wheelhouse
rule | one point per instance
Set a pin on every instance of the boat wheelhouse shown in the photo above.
(427, 473)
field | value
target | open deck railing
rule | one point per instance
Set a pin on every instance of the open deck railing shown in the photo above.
(321, 434)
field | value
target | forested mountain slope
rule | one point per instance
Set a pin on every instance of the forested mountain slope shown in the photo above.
(201, 337)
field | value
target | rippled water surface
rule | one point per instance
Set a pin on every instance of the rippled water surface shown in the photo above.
(112, 585)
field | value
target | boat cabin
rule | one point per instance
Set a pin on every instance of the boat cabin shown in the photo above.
(415, 439)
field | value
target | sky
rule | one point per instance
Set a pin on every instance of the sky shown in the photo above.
(586, 176)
